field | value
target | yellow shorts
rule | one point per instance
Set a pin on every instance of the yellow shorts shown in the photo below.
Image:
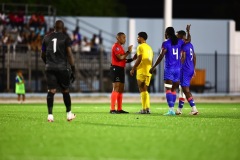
(144, 78)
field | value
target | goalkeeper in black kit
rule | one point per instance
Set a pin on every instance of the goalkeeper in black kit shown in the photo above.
(57, 54)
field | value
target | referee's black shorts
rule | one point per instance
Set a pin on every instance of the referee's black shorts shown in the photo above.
(117, 74)
(58, 79)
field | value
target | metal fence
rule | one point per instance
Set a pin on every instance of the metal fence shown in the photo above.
(93, 72)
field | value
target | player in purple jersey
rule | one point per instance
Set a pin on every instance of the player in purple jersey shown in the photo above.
(188, 60)
(171, 49)
(57, 54)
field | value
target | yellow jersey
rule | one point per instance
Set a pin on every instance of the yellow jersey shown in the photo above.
(147, 56)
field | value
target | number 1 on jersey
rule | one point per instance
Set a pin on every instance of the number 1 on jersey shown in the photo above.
(54, 44)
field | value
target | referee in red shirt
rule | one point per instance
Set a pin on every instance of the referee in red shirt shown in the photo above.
(117, 71)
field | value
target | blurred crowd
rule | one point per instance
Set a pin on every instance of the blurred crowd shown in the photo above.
(18, 33)
(22, 33)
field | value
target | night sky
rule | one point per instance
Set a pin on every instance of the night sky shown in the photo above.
(204, 9)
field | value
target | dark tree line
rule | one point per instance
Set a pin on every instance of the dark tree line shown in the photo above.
(113, 8)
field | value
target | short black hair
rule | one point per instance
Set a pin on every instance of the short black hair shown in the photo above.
(120, 33)
(59, 25)
(143, 35)
(181, 32)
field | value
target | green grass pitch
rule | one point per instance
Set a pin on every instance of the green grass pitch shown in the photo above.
(95, 134)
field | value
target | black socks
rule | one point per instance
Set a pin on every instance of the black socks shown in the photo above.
(67, 101)
(50, 96)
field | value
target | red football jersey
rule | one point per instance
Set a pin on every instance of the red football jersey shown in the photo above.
(117, 49)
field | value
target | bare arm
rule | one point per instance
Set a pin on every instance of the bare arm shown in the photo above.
(124, 56)
(159, 59)
(71, 62)
(188, 34)
(138, 61)
(135, 56)
(132, 59)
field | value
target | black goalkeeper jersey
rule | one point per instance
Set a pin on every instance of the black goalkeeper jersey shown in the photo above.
(55, 45)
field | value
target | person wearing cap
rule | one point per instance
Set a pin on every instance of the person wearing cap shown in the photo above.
(143, 65)
(188, 60)
(171, 49)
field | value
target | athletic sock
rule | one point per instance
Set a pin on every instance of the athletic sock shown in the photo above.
(192, 103)
(67, 101)
(194, 108)
(50, 98)
(147, 100)
(69, 113)
(169, 98)
(181, 103)
(114, 97)
(174, 97)
(144, 99)
(119, 101)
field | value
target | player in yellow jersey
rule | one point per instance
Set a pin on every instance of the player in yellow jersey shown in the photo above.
(143, 65)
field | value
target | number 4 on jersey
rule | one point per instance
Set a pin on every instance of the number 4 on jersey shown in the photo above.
(175, 52)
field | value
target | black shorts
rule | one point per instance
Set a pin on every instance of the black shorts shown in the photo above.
(117, 74)
(58, 78)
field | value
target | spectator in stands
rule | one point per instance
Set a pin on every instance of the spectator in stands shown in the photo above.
(31, 37)
(75, 44)
(40, 30)
(20, 20)
(76, 40)
(94, 43)
(5, 40)
(3, 22)
(22, 41)
(36, 44)
(35, 41)
(85, 45)
(26, 29)
(8, 41)
(12, 19)
(3, 18)
(41, 21)
(33, 21)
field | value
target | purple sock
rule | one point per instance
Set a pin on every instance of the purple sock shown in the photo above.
(180, 104)
(174, 97)
(191, 102)
(169, 98)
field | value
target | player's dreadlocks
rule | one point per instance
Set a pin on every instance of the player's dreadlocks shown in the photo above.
(170, 32)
